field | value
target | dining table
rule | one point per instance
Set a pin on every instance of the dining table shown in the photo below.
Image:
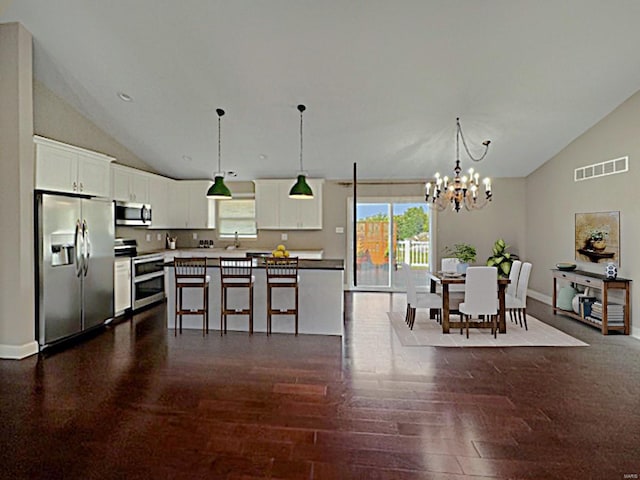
(446, 279)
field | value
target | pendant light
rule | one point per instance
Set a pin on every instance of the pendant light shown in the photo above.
(301, 189)
(219, 190)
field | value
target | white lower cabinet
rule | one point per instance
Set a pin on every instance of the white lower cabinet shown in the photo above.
(122, 285)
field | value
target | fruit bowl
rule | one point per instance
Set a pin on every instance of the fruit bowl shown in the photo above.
(566, 266)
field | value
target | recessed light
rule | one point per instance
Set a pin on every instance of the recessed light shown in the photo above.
(263, 156)
(125, 97)
(186, 158)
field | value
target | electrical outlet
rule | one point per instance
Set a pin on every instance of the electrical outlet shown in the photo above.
(284, 237)
(195, 236)
(339, 229)
(158, 236)
(148, 237)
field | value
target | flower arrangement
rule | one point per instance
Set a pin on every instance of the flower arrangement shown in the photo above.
(598, 234)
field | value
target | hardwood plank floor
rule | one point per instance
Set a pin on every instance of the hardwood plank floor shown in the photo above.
(135, 402)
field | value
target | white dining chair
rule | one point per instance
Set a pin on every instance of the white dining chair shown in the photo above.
(449, 264)
(518, 303)
(514, 273)
(480, 296)
(415, 301)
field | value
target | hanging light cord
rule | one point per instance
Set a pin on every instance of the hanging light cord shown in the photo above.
(464, 143)
(220, 113)
(301, 108)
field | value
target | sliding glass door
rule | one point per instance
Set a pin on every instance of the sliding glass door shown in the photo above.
(390, 233)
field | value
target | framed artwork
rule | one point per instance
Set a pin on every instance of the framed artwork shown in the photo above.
(597, 237)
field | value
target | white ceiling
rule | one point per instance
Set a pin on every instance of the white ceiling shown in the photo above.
(383, 81)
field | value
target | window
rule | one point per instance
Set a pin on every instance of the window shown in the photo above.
(237, 215)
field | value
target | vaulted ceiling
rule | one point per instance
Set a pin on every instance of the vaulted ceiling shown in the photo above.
(383, 81)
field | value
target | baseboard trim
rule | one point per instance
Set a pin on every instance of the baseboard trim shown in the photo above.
(540, 297)
(18, 352)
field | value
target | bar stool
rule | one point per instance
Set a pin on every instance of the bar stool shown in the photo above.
(281, 273)
(191, 273)
(235, 272)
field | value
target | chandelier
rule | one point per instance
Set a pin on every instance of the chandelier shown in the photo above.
(460, 190)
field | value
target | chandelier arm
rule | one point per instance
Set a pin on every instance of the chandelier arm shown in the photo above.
(464, 143)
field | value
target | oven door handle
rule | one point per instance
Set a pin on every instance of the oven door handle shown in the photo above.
(148, 276)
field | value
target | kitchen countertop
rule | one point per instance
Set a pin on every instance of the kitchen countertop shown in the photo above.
(211, 252)
(325, 264)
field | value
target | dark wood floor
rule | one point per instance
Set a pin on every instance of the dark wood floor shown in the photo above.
(135, 402)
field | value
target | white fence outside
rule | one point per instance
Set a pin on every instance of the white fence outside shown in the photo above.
(413, 252)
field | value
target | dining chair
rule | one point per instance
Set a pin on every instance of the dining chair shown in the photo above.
(514, 273)
(480, 297)
(415, 301)
(518, 303)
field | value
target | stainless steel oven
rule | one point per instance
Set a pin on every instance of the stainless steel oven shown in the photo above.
(147, 279)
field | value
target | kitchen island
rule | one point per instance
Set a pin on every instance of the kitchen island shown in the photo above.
(320, 295)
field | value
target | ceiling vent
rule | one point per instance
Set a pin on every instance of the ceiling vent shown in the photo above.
(610, 167)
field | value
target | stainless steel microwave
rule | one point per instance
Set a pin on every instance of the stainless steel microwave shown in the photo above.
(133, 214)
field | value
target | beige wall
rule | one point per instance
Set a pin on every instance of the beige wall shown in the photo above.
(55, 119)
(17, 289)
(553, 198)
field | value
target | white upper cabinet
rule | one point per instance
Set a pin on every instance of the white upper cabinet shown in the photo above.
(65, 168)
(276, 211)
(189, 205)
(129, 184)
(159, 187)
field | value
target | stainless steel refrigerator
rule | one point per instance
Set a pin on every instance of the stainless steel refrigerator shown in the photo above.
(74, 242)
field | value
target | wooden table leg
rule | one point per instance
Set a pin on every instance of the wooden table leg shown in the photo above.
(502, 323)
(445, 307)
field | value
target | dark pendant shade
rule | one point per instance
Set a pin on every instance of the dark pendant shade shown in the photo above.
(301, 189)
(218, 189)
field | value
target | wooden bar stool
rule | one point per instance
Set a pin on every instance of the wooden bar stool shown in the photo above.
(236, 272)
(191, 273)
(281, 273)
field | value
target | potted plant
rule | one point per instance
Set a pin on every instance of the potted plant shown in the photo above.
(464, 252)
(501, 259)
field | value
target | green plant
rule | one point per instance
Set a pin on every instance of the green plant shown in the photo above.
(501, 259)
(462, 251)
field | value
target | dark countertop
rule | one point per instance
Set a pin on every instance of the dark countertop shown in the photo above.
(324, 264)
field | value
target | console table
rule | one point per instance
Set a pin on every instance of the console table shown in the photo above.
(602, 283)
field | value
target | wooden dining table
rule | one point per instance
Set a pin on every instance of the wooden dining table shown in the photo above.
(445, 280)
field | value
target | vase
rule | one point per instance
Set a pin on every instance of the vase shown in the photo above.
(462, 267)
(611, 270)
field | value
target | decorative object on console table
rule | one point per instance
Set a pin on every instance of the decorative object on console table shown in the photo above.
(611, 270)
(597, 237)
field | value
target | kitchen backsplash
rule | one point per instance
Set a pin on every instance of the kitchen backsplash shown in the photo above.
(267, 239)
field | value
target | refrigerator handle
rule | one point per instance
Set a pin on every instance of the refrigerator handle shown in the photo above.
(76, 248)
(87, 247)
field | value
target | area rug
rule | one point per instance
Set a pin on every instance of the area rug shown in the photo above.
(428, 333)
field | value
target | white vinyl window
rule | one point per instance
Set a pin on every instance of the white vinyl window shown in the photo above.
(237, 215)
